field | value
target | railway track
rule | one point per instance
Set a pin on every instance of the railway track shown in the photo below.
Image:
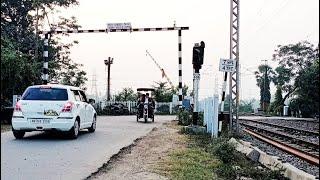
(305, 155)
(306, 150)
(286, 128)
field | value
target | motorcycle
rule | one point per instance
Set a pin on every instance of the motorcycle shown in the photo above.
(145, 109)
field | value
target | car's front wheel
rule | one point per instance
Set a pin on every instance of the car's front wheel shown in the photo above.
(94, 125)
(18, 134)
(74, 131)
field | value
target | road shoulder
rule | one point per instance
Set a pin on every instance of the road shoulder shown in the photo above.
(139, 160)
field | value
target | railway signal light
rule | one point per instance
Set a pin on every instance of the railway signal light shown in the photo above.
(197, 55)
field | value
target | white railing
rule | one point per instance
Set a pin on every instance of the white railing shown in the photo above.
(160, 107)
(209, 107)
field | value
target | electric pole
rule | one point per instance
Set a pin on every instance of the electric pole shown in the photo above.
(108, 63)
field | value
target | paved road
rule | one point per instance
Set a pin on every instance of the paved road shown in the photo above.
(49, 156)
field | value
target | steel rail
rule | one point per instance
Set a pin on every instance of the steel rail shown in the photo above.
(280, 126)
(287, 136)
(311, 158)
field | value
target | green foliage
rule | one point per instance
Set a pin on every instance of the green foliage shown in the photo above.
(264, 76)
(307, 93)
(276, 106)
(226, 171)
(184, 117)
(246, 106)
(193, 163)
(185, 89)
(297, 75)
(21, 55)
(225, 151)
(127, 94)
(217, 157)
(162, 92)
(17, 69)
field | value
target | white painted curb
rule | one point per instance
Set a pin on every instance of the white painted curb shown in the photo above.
(272, 162)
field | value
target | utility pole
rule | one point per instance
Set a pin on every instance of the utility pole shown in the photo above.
(108, 63)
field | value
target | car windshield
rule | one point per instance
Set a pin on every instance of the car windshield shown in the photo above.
(53, 94)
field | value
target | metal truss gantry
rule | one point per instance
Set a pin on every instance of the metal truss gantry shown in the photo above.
(234, 79)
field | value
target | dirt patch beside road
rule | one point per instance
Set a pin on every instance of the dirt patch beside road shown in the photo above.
(5, 127)
(138, 160)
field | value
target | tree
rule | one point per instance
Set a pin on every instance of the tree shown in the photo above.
(20, 67)
(298, 76)
(127, 94)
(277, 105)
(293, 60)
(185, 89)
(162, 92)
(306, 96)
(264, 76)
(246, 106)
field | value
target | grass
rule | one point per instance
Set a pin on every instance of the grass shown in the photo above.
(191, 164)
(204, 158)
(5, 127)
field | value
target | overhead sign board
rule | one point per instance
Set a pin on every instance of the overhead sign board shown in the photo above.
(119, 26)
(227, 65)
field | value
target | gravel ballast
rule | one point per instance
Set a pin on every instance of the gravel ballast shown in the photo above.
(285, 157)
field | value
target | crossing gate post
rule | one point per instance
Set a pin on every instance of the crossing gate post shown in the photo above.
(180, 67)
(45, 69)
(45, 76)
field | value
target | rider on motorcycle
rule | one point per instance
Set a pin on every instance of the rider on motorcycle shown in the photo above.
(151, 104)
(144, 98)
(141, 100)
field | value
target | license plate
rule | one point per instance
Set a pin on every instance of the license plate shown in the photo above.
(40, 121)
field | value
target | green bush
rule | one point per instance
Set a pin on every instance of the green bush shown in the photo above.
(226, 171)
(184, 117)
(226, 152)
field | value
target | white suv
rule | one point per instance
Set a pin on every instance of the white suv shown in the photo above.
(53, 107)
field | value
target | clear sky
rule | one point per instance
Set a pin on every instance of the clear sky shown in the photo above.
(264, 24)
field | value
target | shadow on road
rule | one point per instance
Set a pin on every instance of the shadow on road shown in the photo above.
(148, 122)
(53, 135)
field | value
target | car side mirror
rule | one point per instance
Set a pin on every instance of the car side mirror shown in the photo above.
(91, 101)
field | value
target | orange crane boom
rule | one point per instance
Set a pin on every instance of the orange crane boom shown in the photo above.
(161, 69)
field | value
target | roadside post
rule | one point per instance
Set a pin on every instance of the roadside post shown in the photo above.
(197, 61)
(226, 66)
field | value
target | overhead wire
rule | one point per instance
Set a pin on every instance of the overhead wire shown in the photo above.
(268, 20)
